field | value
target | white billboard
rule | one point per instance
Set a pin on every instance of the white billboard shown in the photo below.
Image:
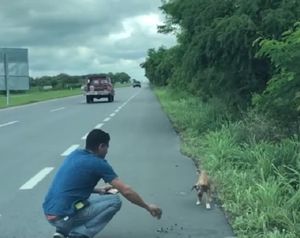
(14, 69)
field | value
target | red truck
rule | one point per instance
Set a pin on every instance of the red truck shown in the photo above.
(99, 86)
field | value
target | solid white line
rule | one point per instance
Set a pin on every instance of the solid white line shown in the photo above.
(106, 119)
(99, 126)
(112, 115)
(70, 150)
(36, 179)
(57, 109)
(8, 123)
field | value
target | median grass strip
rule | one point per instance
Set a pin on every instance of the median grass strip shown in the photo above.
(255, 167)
(32, 96)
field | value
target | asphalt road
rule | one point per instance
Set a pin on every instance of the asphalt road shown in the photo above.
(144, 150)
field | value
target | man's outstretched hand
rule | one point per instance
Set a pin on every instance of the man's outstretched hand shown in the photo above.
(155, 211)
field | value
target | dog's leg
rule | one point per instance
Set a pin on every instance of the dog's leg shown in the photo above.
(209, 195)
(207, 204)
(199, 198)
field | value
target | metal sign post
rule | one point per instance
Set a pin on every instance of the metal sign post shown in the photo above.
(6, 79)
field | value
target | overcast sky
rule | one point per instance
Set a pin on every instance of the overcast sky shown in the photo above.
(83, 36)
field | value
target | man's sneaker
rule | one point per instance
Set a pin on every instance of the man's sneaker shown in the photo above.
(58, 235)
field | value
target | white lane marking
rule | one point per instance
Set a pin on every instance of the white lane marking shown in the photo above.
(99, 126)
(111, 115)
(57, 109)
(36, 179)
(96, 127)
(84, 137)
(70, 150)
(8, 123)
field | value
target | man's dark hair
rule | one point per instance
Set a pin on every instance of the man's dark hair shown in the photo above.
(95, 138)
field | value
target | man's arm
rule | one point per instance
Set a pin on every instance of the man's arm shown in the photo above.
(102, 190)
(135, 198)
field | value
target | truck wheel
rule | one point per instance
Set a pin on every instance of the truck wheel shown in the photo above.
(89, 99)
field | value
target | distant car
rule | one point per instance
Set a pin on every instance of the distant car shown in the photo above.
(136, 84)
(99, 86)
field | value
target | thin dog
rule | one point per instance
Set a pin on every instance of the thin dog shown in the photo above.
(204, 189)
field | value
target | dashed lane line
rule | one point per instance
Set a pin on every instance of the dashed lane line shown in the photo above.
(84, 137)
(44, 172)
(110, 116)
(70, 150)
(36, 179)
(99, 126)
(8, 123)
(57, 109)
(96, 127)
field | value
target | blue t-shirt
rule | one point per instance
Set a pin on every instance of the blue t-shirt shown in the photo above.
(75, 181)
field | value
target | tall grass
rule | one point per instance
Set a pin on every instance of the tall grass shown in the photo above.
(255, 165)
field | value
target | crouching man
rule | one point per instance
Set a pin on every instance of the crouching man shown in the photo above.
(74, 205)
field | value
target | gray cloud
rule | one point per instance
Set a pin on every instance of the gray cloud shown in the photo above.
(82, 36)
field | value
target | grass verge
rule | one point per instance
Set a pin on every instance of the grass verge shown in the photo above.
(255, 168)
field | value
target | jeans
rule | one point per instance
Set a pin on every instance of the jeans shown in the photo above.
(92, 219)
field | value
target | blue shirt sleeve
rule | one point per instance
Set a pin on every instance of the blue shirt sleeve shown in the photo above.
(105, 171)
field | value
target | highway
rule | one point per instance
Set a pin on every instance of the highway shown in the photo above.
(144, 151)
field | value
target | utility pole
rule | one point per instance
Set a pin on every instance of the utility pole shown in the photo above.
(6, 78)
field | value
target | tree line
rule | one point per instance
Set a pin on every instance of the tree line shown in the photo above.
(245, 53)
(62, 81)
